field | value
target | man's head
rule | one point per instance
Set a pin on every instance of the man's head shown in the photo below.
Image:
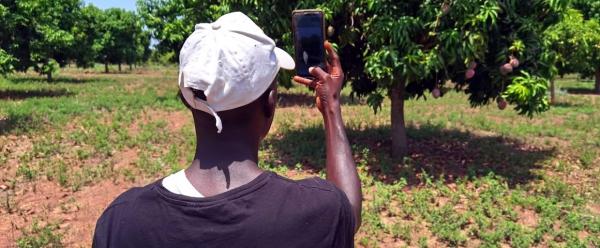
(254, 118)
(227, 74)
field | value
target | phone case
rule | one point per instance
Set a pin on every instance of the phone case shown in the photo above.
(296, 41)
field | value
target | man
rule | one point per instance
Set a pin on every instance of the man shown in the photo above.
(223, 199)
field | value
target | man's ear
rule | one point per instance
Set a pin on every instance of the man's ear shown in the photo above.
(269, 111)
(271, 103)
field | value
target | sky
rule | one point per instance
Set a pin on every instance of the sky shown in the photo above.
(105, 4)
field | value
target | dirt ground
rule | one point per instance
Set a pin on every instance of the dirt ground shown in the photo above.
(76, 213)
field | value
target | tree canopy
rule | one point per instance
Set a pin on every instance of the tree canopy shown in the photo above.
(489, 49)
(492, 50)
(576, 42)
(45, 34)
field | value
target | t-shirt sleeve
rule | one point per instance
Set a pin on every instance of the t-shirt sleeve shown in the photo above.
(107, 224)
(344, 236)
(344, 228)
(102, 232)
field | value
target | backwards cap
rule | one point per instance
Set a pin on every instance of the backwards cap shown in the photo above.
(232, 61)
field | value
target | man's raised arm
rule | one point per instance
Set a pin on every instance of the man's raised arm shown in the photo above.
(341, 169)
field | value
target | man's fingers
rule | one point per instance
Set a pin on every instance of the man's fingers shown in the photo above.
(334, 59)
(305, 81)
(318, 73)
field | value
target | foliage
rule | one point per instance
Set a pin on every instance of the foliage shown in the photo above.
(170, 22)
(50, 40)
(47, 34)
(529, 92)
(88, 34)
(589, 8)
(121, 36)
(38, 236)
(382, 43)
(425, 43)
(6, 62)
(576, 42)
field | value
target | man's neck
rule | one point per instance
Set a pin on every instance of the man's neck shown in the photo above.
(223, 162)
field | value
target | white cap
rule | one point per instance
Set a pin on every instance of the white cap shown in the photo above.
(232, 61)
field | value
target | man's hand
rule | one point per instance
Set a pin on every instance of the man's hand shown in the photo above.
(341, 169)
(326, 84)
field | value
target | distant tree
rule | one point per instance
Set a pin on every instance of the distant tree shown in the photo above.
(171, 21)
(140, 51)
(15, 31)
(576, 42)
(591, 13)
(37, 33)
(52, 39)
(87, 33)
(6, 60)
(48, 34)
(121, 37)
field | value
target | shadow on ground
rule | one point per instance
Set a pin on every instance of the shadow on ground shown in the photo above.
(14, 122)
(305, 99)
(441, 153)
(567, 105)
(60, 79)
(579, 91)
(16, 94)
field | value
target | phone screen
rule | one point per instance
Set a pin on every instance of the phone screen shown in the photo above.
(308, 40)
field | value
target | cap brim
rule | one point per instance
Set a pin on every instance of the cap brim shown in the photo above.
(284, 60)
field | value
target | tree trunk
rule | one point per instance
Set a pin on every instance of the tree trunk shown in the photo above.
(49, 76)
(130, 67)
(399, 139)
(105, 67)
(552, 92)
(119, 66)
(597, 88)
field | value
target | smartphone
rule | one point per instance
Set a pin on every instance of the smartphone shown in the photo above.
(309, 36)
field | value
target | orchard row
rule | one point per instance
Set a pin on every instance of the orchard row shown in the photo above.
(45, 34)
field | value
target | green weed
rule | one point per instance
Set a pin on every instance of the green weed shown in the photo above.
(38, 236)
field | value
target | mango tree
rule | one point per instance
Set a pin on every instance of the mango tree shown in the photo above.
(36, 33)
(88, 36)
(489, 49)
(14, 45)
(6, 60)
(576, 42)
(119, 31)
(170, 22)
(591, 13)
(51, 38)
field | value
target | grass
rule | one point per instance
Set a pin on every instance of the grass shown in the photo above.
(40, 236)
(476, 177)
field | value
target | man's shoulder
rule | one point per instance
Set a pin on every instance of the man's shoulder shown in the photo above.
(312, 183)
(315, 198)
(127, 198)
(318, 184)
(314, 189)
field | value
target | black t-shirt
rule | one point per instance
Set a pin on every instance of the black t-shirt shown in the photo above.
(270, 211)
